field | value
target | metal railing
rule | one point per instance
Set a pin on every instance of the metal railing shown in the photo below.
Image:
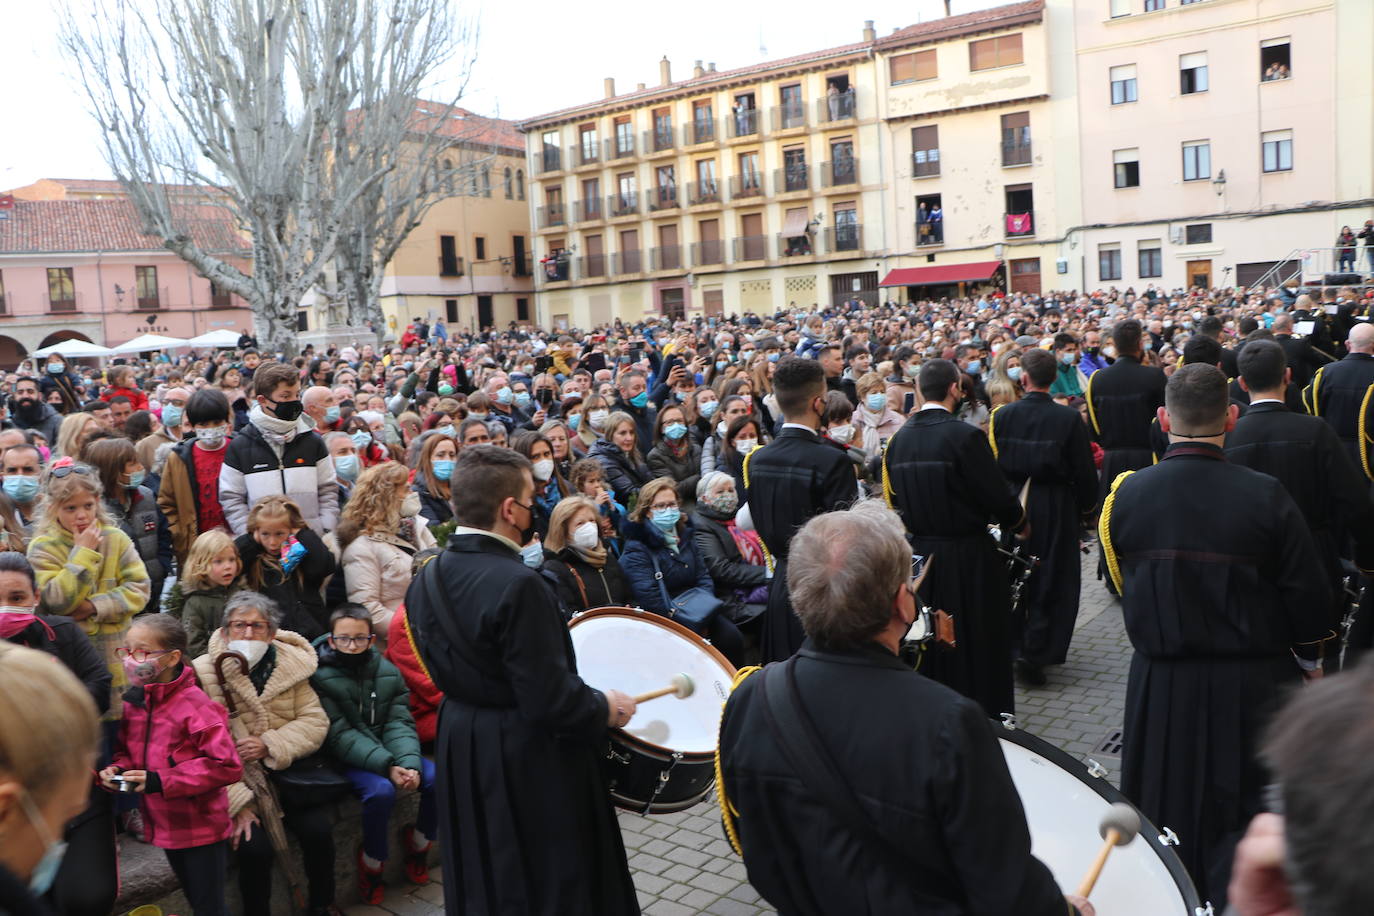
(838, 107)
(839, 172)
(64, 306)
(1016, 154)
(620, 146)
(585, 155)
(703, 192)
(451, 267)
(799, 246)
(587, 210)
(702, 130)
(625, 203)
(751, 248)
(551, 215)
(154, 302)
(555, 268)
(930, 233)
(628, 262)
(659, 140)
(665, 257)
(844, 238)
(708, 253)
(925, 163)
(592, 265)
(744, 122)
(747, 185)
(786, 117)
(551, 159)
(790, 178)
(662, 198)
(1310, 266)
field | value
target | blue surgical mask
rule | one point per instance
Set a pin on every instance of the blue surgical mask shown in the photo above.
(876, 401)
(346, 467)
(708, 407)
(41, 879)
(55, 368)
(674, 431)
(361, 439)
(774, 356)
(1014, 373)
(443, 468)
(407, 366)
(721, 364)
(574, 421)
(1067, 359)
(666, 519)
(504, 395)
(135, 480)
(975, 366)
(331, 416)
(532, 554)
(448, 429)
(640, 399)
(20, 489)
(522, 399)
(171, 416)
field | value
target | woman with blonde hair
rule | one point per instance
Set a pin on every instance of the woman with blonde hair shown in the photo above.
(596, 410)
(48, 744)
(1004, 384)
(588, 573)
(379, 534)
(71, 435)
(875, 420)
(621, 458)
(433, 468)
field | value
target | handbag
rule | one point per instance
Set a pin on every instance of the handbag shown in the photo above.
(310, 781)
(693, 608)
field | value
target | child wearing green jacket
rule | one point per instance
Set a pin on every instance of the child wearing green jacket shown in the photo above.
(372, 734)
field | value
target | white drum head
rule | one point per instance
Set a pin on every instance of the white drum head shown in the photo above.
(636, 655)
(1064, 814)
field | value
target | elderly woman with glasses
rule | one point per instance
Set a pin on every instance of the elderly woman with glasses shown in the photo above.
(278, 721)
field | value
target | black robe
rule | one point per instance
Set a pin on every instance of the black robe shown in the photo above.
(790, 480)
(935, 785)
(1336, 394)
(1220, 585)
(941, 477)
(525, 818)
(1046, 443)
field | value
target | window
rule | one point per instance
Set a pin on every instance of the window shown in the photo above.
(1275, 60)
(990, 53)
(925, 151)
(553, 206)
(520, 183)
(930, 220)
(1150, 261)
(846, 228)
(521, 262)
(448, 257)
(703, 123)
(588, 146)
(795, 175)
(479, 245)
(1126, 168)
(745, 115)
(1123, 84)
(1197, 234)
(550, 154)
(1109, 262)
(793, 113)
(507, 183)
(842, 166)
(909, 68)
(663, 129)
(591, 198)
(1119, 8)
(749, 171)
(624, 137)
(1016, 141)
(522, 308)
(145, 285)
(219, 297)
(1152, 5)
(1192, 73)
(665, 186)
(1277, 149)
(61, 289)
(1197, 160)
(594, 261)
(486, 181)
(626, 201)
(1020, 212)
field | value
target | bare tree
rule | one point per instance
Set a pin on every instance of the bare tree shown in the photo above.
(283, 112)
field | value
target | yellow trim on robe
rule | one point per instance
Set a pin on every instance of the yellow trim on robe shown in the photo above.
(728, 813)
(1088, 397)
(1364, 434)
(992, 433)
(767, 554)
(1104, 532)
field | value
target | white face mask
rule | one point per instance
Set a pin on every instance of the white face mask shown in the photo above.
(745, 446)
(543, 470)
(586, 536)
(842, 434)
(720, 428)
(251, 649)
(410, 506)
(597, 417)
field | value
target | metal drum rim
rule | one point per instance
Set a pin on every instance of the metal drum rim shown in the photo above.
(1110, 793)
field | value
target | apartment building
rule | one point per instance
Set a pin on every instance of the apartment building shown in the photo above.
(731, 191)
(469, 261)
(979, 119)
(1219, 137)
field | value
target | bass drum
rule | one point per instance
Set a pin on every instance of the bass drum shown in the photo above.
(664, 759)
(1064, 805)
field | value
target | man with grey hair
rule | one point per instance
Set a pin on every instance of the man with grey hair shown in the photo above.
(916, 786)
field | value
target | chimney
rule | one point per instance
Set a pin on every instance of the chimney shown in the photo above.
(947, 9)
(869, 33)
(665, 72)
(698, 71)
(711, 67)
(610, 87)
(639, 87)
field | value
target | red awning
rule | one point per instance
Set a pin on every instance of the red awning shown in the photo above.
(941, 274)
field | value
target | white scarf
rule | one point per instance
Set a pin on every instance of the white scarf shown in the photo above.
(275, 430)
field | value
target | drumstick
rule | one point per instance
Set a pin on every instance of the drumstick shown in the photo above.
(681, 687)
(1119, 826)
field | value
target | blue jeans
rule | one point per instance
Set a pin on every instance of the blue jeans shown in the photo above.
(378, 796)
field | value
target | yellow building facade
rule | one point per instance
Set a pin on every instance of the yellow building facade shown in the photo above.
(747, 190)
(470, 261)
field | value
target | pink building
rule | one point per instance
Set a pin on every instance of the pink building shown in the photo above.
(75, 264)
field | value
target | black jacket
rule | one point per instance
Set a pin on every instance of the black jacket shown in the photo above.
(723, 560)
(42, 419)
(434, 509)
(644, 418)
(582, 586)
(685, 469)
(74, 649)
(623, 476)
(298, 594)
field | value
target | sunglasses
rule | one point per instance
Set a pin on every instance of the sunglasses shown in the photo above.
(66, 469)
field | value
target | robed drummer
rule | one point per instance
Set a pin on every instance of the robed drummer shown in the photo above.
(1226, 604)
(912, 808)
(526, 824)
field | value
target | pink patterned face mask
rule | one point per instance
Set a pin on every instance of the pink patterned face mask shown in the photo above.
(45, 452)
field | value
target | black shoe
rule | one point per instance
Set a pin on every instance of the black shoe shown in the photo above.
(1030, 675)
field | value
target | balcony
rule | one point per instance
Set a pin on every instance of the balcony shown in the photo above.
(551, 215)
(627, 262)
(925, 163)
(550, 160)
(703, 192)
(702, 130)
(65, 305)
(930, 233)
(745, 186)
(665, 257)
(662, 198)
(707, 253)
(838, 107)
(787, 117)
(839, 173)
(152, 303)
(841, 239)
(1020, 225)
(744, 122)
(626, 203)
(555, 267)
(587, 154)
(5, 304)
(751, 248)
(659, 140)
(1016, 154)
(620, 147)
(587, 210)
(592, 265)
(800, 246)
(452, 266)
(792, 178)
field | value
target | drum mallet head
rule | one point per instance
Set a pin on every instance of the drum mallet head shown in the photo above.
(1118, 827)
(680, 687)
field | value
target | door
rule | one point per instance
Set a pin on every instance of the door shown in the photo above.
(1025, 276)
(669, 254)
(709, 251)
(629, 251)
(862, 286)
(1200, 274)
(713, 303)
(751, 232)
(484, 315)
(451, 312)
(594, 264)
(672, 303)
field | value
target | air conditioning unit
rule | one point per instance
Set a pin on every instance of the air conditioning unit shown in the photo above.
(1176, 234)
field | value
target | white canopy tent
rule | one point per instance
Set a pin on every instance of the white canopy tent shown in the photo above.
(221, 338)
(75, 349)
(151, 342)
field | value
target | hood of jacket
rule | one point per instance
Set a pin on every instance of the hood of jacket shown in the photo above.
(330, 657)
(296, 661)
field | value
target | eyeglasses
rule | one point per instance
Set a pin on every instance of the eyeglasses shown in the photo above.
(349, 642)
(243, 626)
(138, 655)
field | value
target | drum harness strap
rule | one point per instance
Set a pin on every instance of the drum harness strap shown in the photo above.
(1104, 532)
(767, 554)
(1364, 432)
(992, 429)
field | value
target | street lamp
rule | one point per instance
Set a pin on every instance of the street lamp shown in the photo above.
(1219, 183)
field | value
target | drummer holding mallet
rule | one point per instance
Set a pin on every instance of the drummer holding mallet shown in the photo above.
(525, 818)
(853, 784)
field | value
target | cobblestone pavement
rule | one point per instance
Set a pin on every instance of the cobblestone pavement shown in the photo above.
(682, 864)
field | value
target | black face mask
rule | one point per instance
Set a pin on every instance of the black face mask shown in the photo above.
(349, 660)
(528, 531)
(286, 410)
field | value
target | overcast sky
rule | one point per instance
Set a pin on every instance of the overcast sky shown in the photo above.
(532, 58)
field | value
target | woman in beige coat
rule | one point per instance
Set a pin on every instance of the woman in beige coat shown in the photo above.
(277, 719)
(378, 536)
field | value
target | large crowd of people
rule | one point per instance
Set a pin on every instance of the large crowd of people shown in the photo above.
(226, 550)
